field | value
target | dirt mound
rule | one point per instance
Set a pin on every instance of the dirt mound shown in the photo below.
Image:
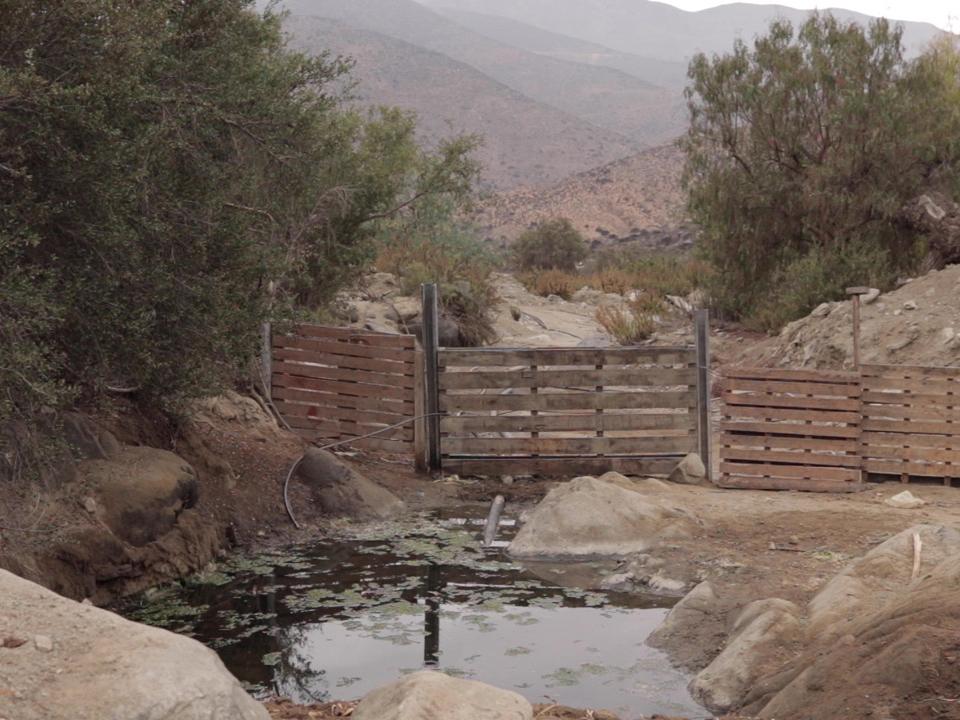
(918, 324)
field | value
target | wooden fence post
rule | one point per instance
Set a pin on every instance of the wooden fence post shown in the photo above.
(703, 388)
(266, 358)
(431, 342)
(419, 403)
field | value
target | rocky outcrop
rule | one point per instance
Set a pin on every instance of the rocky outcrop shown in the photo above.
(63, 660)
(343, 492)
(435, 696)
(606, 516)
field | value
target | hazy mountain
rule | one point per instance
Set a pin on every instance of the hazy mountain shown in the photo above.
(563, 47)
(526, 142)
(653, 29)
(603, 96)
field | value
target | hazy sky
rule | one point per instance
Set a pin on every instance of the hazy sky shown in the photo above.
(942, 13)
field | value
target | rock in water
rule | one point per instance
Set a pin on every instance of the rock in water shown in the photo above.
(604, 516)
(103, 667)
(690, 471)
(435, 696)
(343, 492)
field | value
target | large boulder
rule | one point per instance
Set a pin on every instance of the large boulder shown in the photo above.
(434, 696)
(606, 516)
(63, 660)
(343, 492)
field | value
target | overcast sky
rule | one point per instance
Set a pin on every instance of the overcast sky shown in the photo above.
(942, 13)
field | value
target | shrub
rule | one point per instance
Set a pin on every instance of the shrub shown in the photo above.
(552, 282)
(658, 272)
(551, 245)
(627, 326)
(613, 280)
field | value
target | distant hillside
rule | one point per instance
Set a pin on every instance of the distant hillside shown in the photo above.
(526, 142)
(634, 198)
(603, 96)
(563, 47)
(653, 29)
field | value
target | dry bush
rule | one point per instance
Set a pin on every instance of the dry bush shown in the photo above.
(628, 326)
(552, 282)
(613, 280)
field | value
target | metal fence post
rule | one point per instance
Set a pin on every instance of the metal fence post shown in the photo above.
(431, 342)
(266, 358)
(703, 389)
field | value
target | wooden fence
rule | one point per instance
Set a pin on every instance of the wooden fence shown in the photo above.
(790, 429)
(337, 383)
(911, 421)
(566, 410)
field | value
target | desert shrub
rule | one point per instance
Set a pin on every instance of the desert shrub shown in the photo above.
(613, 280)
(551, 245)
(661, 273)
(552, 282)
(627, 325)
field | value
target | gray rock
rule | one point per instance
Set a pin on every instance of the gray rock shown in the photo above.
(690, 471)
(90, 505)
(116, 669)
(89, 439)
(343, 492)
(43, 643)
(690, 612)
(434, 696)
(871, 297)
(910, 305)
(905, 501)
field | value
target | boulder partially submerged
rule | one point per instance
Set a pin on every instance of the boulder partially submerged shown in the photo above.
(63, 660)
(343, 492)
(606, 516)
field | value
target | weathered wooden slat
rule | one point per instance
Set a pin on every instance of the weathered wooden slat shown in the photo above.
(343, 388)
(910, 427)
(560, 467)
(911, 371)
(903, 467)
(552, 357)
(390, 367)
(737, 482)
(914, 385)
(782, 375)
(322, 372)
(789, 443)
(784, 414)
(845, 390)
(790, 457)
(560, 423)
(815, 431)
(791, 401)
(920, 412)
(366, 417)
(569, 446)
(345, 429)
(335, 401)
(567, 401)
(396, 447)
(919, 454)
(334, 347)
(881, 439)
(365, 337)
(901, 398)
(527, 378)
(791, 471)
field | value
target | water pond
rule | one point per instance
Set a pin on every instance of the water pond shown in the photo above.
(337, 618)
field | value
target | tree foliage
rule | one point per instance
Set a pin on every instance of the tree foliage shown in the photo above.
(551, 245)
(170, 176)
(801, 152)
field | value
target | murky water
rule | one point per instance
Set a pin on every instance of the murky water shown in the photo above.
(335, 619)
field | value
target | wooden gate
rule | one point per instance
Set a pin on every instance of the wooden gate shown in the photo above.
(790, 430)
(338, 383)
(567, 410)
(911, 421)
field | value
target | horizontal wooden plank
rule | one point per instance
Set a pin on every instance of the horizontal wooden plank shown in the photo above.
(910, 398)
(559, 423)
(527, 378)
(364, 417)
(791, 401)
(567, 446)
(342, 388)
(791, 471)
(911, 427)
(789, 457)
(672, 399)
(903, 467)
(736, 482)
(790, 443)
(782, 375)
(560, 467)
(908, 439)
(912, 371)
(334, 400)
(915, 385)
(366, 337)
(918, 454)
(920, 412)
(547, 357)
(784, 414)
(814, 431)
(364, 377)
(847, 390)
(342, 429)
(391, 367)
(395, 447)
(333, 347)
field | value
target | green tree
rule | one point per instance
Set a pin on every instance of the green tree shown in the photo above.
(551, 245)
(801, 153)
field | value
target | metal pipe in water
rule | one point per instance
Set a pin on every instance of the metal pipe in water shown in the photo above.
(493, 519)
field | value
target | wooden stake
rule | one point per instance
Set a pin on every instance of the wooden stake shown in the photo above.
(703, 388)
(855, 293)
(431, 340)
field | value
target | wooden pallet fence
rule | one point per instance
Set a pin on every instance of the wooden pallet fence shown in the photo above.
(790, 430)
(566, 411)
(911, 422)
(338, 383)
